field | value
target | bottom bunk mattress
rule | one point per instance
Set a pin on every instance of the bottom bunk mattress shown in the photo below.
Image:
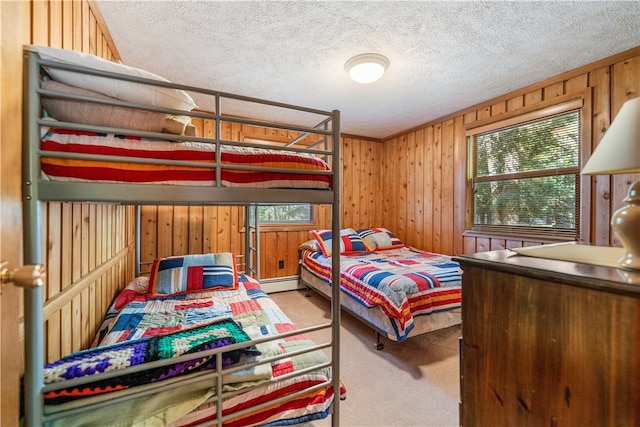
(291, 387)
(401, 292)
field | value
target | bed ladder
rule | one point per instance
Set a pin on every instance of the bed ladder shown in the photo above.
(252, 241)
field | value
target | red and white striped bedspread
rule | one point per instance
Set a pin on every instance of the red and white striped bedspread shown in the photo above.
(404, 282)
(122, 168)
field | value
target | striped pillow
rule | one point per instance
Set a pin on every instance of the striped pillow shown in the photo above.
(193, 273)
(350, 241)
(380, 238)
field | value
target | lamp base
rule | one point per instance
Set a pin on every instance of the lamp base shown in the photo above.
(626, 224)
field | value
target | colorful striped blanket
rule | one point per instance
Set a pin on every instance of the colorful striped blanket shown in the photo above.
(403, 282)
(290, 170)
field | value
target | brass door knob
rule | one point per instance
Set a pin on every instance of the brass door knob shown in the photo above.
(27, 276)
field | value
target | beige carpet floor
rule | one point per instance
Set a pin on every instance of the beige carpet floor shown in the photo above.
(412, 383)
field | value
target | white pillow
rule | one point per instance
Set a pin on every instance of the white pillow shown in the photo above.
(98, 114)
(108, 115)
(120, 89)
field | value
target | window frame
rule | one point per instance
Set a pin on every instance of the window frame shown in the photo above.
(558, 105)
(293, 225)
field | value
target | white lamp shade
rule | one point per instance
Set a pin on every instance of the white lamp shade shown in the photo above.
(366, 68)
(619, 149)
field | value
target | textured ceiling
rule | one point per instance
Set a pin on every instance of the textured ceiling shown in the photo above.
(445, 55)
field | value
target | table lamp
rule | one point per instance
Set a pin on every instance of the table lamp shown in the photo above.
(619, 152)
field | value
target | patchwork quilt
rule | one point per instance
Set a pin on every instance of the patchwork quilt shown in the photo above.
(142, 327)
(404, 282)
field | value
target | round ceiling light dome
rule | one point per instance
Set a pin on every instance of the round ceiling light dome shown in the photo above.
(367, 67)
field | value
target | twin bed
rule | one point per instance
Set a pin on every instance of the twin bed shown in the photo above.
(197, 342)
(398, 290)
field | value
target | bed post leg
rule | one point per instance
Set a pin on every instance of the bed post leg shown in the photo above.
(378, 345)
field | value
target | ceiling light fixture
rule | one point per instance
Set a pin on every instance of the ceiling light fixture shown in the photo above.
(367, 67)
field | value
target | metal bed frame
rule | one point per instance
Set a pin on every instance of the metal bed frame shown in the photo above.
(36, 191)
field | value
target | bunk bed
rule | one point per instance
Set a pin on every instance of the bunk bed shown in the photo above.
(87, 138)
(398, 290)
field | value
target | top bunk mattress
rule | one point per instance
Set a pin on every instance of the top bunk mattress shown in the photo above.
(110, 157)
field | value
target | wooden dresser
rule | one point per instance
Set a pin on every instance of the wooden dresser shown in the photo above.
(548, 343)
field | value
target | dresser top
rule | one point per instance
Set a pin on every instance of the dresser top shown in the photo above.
(580, 274)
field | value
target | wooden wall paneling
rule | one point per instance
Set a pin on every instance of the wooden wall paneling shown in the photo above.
(92, 33)
(150, 228)
(427, 210)
(437, 189)
(130, 218)
(93, 236)
(196, 220)
(86, 27)
(358, 169)
(577, 84)
(553, 91)
(76, 24)
(162, 230)
(224, 222)
(92, 314)
(267, 245)
(484, 113)
(459, 181)
(418, 188)
(55, 23)
(412, 172)
(348, 183)
(509, 244)
(40, 20)
(483, 244)
(98, 243)
(67, 25)
(66, 242)
(180, 230)
(390, 184)
(374, 183)
(207, 213)
(448, 188)
(109, 231)
(601, 184)
(237, 225)
(215, 230)
(468, 244)
(515, 103)
(498, 108)
(533, 97)
(53, 276)
(496, 244)
(400, 226)
(79, 241)
(365, 194)
(281, 250)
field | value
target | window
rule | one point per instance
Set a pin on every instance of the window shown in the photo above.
(284, 214)
(524, 174)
